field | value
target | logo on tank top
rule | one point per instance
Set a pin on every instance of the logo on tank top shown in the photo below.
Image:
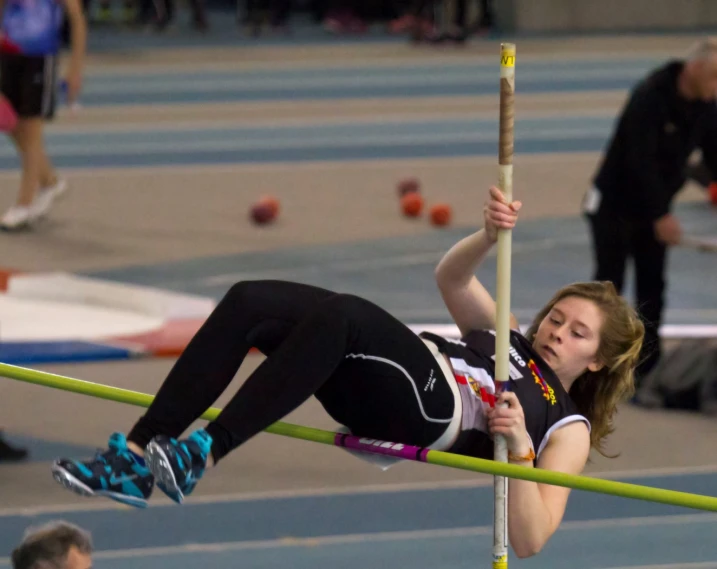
(548, 392)
(480, 382)
(515, 373)
(513, 352)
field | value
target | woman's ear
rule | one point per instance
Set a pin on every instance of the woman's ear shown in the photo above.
(595, 365)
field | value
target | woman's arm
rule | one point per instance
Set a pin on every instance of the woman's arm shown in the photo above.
(78, 42)
(466, 299)
(536, 510)
(468, 302)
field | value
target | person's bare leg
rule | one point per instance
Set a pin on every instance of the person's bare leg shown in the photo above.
(48, 175)
(50, 185)
(135, 448)
(28, 137)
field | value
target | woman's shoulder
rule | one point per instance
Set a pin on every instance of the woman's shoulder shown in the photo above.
(568, 437)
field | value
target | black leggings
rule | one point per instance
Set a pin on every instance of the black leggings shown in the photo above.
(369, 371)
(615, 240)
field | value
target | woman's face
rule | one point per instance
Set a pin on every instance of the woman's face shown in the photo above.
(569, 336)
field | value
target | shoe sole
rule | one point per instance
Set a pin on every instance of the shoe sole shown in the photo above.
(24, 226)
(161, 468)
(69, 481)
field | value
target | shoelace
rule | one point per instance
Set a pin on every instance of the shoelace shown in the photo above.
(115, 456)
(190, 477)
(100, 456)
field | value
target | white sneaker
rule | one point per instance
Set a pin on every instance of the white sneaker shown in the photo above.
(17, 217)
(58, 189)
(44, 198)
(41, 205)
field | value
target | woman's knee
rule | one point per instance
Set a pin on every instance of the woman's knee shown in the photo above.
(29, 130)
(345, 302)
(347, 306)
(21, 134)
(238, 295)
(274, 298)
(242, 292)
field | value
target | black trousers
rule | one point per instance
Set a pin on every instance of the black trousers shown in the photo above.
(164, 11)
(369, 371)
(615, 240)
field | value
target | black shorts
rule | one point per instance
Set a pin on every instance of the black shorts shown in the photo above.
(29, 83)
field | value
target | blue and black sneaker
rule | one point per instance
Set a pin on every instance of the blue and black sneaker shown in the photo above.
(115, 473)
(176, 465)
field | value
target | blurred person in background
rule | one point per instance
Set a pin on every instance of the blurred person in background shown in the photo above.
(30, 41)
(165, 11)
(344, 17)
(56, 545)
(259, 13)
(106, 13)
(669, 114)
(419, 19)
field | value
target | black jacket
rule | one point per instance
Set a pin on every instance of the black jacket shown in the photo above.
(646, 160)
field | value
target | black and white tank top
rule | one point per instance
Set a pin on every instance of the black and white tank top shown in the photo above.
(546, 404)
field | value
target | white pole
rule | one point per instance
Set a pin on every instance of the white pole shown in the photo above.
(505, 184)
